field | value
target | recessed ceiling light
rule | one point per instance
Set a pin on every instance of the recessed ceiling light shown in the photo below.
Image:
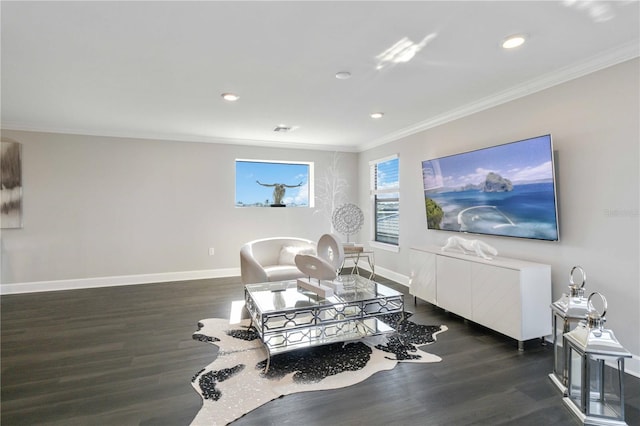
(513, 42)
(343, 75)
(376, 115)
(231, 97)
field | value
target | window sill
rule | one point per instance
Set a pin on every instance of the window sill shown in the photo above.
(384, 246)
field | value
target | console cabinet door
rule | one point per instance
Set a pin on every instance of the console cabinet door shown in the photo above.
(496, 299)
(454, 285)
(422, 281)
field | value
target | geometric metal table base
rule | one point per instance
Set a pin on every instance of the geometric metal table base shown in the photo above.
(289, 318)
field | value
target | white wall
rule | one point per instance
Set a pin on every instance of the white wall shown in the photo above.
(114, 207)
(595, 125)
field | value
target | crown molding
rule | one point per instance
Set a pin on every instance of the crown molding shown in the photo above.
(612, 57)
(176, 138)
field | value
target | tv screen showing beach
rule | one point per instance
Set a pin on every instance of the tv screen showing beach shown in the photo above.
(505, 190)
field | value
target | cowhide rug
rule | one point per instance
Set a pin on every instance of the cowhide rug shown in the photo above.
(235, 383)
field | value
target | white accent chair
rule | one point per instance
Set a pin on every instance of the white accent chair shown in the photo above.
(273, 259)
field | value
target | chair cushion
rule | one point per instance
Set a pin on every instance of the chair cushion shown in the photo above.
(288, 254)
(282, 272)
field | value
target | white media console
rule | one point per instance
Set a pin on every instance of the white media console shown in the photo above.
(509, 296)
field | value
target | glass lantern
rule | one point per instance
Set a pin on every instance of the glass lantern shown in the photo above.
(567, 312)
(595, 387)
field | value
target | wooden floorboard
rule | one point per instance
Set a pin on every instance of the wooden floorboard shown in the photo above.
(125, 356)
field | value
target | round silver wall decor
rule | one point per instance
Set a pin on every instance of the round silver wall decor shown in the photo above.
(347, 219)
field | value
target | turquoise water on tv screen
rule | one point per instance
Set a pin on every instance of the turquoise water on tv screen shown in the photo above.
(528, 211)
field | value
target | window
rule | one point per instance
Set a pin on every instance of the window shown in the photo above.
(385, 194)
(273, 184)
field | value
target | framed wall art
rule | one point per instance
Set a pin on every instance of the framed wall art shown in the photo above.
(11, 185)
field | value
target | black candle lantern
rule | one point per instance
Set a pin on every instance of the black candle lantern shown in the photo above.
(567, 312)
(595, 387)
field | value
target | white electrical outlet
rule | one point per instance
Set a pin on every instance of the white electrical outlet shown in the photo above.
(212, 251)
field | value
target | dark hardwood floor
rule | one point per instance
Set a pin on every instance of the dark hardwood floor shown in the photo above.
(125, 356)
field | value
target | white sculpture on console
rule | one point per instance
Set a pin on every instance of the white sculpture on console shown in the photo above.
(477, 246)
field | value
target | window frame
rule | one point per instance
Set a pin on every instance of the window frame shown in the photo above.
(310, 181)
(374, 192)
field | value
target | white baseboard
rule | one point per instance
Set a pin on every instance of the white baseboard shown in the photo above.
(387, 273)
(74, 284)
(393, 276)
(633, 366)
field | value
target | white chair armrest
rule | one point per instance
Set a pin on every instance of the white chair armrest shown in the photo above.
(252, 271)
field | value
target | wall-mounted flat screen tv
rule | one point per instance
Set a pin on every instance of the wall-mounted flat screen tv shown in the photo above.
(507, 190)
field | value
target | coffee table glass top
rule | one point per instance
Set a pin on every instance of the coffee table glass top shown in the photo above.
(278, 296)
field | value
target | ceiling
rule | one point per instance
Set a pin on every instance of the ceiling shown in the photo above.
(158, 69)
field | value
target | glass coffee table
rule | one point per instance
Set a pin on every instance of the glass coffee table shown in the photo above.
(288, 318)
